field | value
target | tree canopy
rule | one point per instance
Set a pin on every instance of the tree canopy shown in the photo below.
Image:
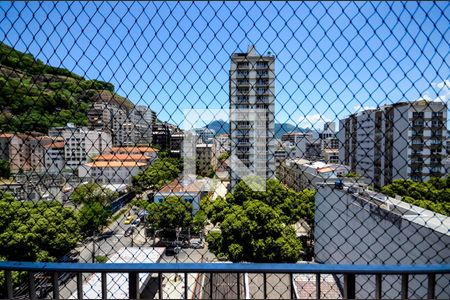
(41, 231)
(162, 171)
(93, 193)
(433, 194)
(169, 215)
(256, 225)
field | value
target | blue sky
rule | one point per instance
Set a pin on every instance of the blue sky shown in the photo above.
(331, 58)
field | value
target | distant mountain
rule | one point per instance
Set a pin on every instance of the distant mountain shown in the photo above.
(221, 127)
(282, 128)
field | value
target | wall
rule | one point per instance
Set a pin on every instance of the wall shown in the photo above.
(352, 231)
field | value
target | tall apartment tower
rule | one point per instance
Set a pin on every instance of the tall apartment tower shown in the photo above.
(403, 140)
(252, 114)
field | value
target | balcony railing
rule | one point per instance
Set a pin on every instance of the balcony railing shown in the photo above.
(349, 273)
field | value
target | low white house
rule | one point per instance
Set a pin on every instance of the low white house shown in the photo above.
(188, 188)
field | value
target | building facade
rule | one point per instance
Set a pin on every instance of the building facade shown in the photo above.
(252, 114)
(403, 140)
(356, 226)
(300, 174)
(81, 143)
(24, 152)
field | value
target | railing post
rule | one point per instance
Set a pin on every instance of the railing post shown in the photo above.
(31, 285)
(265, 285)
(185, 285)
(349, 286)
(133, 285)
(318, 286)
(211, 286)
(9, 284)
(404, 293)
(431, 286)
(378, 287)
(293, 286)
(238, 276)
(104, 285)
(160, 291)
(55, 285)
(79, 285)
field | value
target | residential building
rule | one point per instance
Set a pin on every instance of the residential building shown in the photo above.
(128, 124)
(117, 165)
(252, 120)
(221, 144)
(161, 135)
(24, 152)
(113, 171)
(356, 226)
(176, 142)
(203, 159)
(300, 174)
(150, 152)
(205, 135)
(54, 156)
(80, 143)
(330, 156)
(188, 188)
(402, 140)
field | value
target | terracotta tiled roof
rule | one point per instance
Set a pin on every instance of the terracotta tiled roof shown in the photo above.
(121, 157)
(6, 135)
(115, 164)
(177, 186)
(136, 149)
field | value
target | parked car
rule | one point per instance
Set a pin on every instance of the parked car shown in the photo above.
(129, 231)
(172, 249)
(129, 220)
(136, 222)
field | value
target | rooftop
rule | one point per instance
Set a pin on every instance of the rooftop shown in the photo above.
(121, 157)
(115, 164)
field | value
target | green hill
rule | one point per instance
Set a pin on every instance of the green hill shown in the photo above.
(35, 96)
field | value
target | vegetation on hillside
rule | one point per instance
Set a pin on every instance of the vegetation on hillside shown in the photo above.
(35, 96)
(255, 226)
(433, 194)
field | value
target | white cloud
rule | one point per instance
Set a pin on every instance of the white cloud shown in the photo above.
(314, 121)
(443, 85)
(361, 107)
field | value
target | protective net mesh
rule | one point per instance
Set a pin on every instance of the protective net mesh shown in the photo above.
(153, 132)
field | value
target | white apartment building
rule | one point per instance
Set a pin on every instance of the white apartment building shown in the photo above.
(300, 174)
(54, 156)
(252, 114)
(81, 143)
(402, 140)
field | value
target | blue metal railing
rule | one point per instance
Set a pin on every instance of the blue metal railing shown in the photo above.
(133, 270)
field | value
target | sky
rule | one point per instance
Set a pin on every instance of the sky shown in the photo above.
(332, 58)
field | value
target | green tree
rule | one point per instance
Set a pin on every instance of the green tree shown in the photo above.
(41, 231)
(92, 216)
(433, 194)
(161, 172)
(169, 215)
(93, 193)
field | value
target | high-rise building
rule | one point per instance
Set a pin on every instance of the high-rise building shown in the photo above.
(252, 113)
(402, 140)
